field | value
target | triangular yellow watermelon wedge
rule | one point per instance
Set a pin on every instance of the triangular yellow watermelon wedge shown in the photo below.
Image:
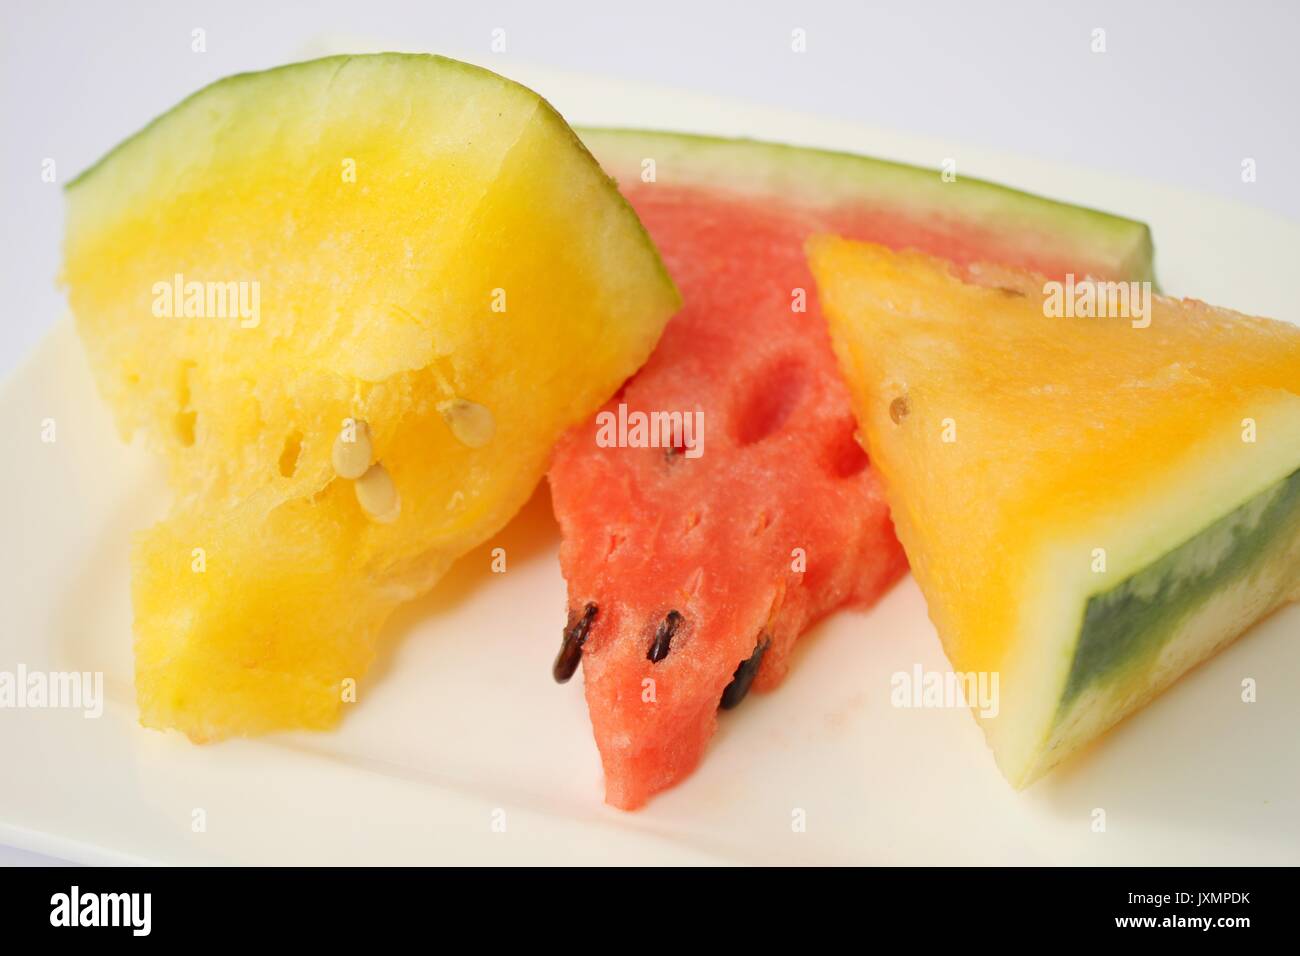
(1091, 505)
(353, 302)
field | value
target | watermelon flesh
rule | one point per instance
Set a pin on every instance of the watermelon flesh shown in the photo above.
(693, 569)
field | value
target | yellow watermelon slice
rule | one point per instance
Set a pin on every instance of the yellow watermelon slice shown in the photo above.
(1092, 499)
(353, 302)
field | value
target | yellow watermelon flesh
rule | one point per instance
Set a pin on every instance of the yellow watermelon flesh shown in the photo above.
(1091, 505)
(405, 254)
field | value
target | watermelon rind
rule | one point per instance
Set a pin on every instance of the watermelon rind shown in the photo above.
(1114, 246)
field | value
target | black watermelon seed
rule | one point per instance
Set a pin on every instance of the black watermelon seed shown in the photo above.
(743, 679)
(659, 647)
(575, 635)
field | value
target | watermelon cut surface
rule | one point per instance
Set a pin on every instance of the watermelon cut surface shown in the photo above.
(692, 569)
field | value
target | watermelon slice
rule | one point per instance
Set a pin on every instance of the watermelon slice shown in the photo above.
(1118, 497)
(370, 416)
(694, 565)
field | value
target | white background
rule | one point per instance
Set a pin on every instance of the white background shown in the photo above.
(1183, 93)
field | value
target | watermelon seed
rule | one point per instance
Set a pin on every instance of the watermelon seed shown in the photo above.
(659, 647)
(899, 408)
(377, 494)
(352, 453)
(743, 679)
(575, 635)
(472, 424)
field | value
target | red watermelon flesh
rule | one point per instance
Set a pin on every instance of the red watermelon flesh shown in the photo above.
(691, 577)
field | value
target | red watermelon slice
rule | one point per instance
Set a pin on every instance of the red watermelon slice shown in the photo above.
(694, 562)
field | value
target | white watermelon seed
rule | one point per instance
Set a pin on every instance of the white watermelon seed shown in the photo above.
(471, 423)
(352, 458)
(377, 494)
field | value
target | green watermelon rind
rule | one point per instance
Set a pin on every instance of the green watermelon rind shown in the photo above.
(824, 178)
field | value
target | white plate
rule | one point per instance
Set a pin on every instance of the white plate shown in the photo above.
(460, 727)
